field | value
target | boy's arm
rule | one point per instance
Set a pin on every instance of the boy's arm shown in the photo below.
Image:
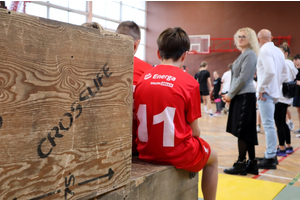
(195, 128)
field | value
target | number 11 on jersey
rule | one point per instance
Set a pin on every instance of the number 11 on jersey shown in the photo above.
(167, 117)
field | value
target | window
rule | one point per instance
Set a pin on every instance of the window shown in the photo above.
(110, 13)
(107, 13)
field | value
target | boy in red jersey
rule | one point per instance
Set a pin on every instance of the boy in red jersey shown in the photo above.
(139, 67)
(167, 102)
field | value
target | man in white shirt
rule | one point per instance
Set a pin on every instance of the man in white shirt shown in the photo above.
(271, 72)
(225, 86)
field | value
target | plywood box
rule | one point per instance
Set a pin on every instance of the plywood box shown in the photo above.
(155, 182)
(65, 109)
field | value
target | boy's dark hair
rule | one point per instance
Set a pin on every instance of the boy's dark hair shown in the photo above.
(297, 56)
(129, 28)
(172, 43)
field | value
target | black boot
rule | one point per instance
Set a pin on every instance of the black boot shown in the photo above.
(267, 163)
(252, 167)
(239, 167)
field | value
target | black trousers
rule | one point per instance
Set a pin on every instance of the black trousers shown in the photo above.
(283, 131)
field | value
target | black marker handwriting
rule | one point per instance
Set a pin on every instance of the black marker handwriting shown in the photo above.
(84, 95)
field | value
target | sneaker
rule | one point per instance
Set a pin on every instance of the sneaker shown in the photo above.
(289, 150)
(291, 125)
(267, 163)
(297, 131)
(211, 115)
(278, 149)
(298, 136)
(217, 113)
(258, 128)
(260, 159)
(281, 153)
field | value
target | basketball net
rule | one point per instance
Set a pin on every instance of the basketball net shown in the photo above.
(19, 6)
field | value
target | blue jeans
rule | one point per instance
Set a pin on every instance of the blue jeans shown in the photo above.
(266, 109)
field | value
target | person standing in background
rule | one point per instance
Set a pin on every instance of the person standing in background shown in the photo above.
(216, 92)
(203, 78)
(283, 131)
(225, 85)
(242, 111)
(271, 72)
(296, 100)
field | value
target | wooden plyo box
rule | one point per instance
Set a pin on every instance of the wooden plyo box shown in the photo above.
(65, 109)
(155, 182)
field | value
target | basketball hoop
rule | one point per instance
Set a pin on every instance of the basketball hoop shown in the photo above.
(200, 44)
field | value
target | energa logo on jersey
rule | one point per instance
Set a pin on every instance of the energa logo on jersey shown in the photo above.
(147, 76)
(158, 76)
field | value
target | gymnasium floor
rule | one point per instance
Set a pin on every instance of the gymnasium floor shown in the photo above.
(280, 184)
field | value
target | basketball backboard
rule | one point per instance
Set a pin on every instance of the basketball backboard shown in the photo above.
(200, 44)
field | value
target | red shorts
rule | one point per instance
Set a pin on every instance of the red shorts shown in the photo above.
(204, 154)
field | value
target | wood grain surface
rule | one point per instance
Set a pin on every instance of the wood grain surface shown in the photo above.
(65, 109)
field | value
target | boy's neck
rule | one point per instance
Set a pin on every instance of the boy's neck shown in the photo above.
(172, 62)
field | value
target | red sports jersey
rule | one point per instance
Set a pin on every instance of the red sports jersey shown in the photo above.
(166, 100)
(139, 67)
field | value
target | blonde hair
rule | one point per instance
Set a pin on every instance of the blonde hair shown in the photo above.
(252, 39)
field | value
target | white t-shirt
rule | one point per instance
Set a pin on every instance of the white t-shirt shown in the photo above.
(226, 79)
(271, 70)
(292, 72)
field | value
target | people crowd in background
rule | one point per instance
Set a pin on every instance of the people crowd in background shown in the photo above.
(253, 80)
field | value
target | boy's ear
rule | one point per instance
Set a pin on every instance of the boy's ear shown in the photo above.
(136, 45)
(158, 55)
(183, 57)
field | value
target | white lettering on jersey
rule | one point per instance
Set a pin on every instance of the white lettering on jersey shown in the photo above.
(147, 76)
(205, 149)
(162, 84)
(167, 77)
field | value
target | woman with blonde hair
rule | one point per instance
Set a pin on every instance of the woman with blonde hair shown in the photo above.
(241, 95)
(203, 78)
